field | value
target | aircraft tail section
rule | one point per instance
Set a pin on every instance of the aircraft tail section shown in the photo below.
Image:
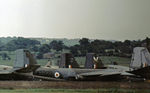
(140, 62)
(140, 58)
(93, 61)
(68, 61)
(25, 61)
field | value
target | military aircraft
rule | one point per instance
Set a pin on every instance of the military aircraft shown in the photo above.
(93, 70)
(23, 67)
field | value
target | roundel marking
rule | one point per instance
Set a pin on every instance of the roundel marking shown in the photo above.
(57, 75)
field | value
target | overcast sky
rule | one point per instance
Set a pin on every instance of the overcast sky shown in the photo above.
(96, 19)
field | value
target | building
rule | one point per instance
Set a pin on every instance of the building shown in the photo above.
(48, 55)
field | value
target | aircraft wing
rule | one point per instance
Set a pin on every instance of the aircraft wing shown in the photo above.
(127, 74)
(6, 69)
(10, 70)
(6, 72)
(99, 73)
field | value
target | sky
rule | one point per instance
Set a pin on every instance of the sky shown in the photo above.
(95, 19)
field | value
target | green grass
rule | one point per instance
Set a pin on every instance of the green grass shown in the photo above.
(43, 62)
(107, 60)
(120, 60)
(8, 62)
(74, 91)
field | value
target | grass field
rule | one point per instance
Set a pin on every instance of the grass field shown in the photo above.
(73, 91)
(107, 60)
(81, 60)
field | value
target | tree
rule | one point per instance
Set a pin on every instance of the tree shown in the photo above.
(35, 48)
(84, 42)
(56, 45)
(127, 42)
(5, 56)
(39, 55)
(75, 50)
(99, 46)
(1, 45)
(147, 41)
(21, 43)
(44, 48)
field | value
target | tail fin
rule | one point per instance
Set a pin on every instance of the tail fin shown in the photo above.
(25, 62)
(140, 58)
(92, 61)
(68, 60)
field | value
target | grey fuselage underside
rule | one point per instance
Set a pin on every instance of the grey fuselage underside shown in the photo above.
(72, 72)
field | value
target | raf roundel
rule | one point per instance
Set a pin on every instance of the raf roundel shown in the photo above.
(57, 75)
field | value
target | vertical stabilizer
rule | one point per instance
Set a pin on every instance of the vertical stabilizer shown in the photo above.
(25, 61)
(93, 61)
(67, 60)
(140, 58)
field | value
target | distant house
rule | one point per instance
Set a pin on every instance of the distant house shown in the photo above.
(109, 50)
(48, 55)
(112, 52)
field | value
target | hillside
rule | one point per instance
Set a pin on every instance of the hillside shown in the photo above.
(67, 42)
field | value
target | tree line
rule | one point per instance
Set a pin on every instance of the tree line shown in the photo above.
(101, 47)
(117, 48)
